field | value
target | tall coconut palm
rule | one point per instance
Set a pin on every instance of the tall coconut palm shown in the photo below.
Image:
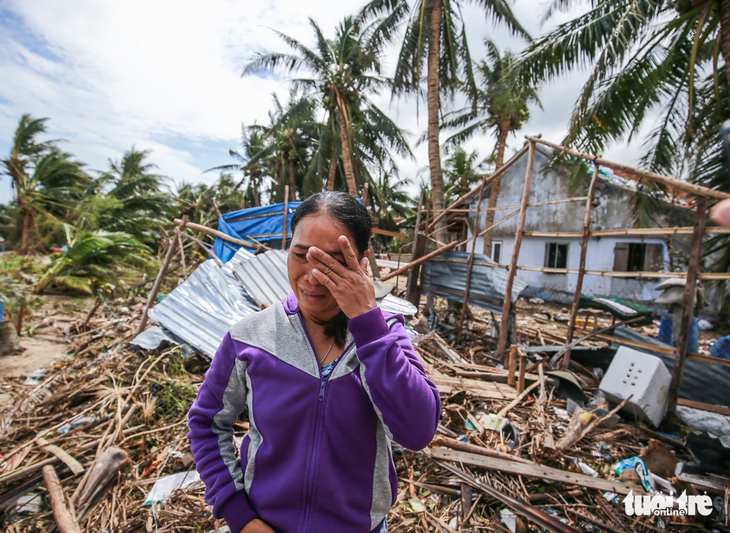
(502, 106)
(344, 72)
(435, 36)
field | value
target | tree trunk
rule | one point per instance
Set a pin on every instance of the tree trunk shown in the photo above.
(725, 35)
(333, 173)
(292, 183)
(346, 154)
(434, 148)
(25, 236)
(255, 188)
(494, 188)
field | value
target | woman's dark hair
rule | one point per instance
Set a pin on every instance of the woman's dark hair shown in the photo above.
(343, 207)
(351, 214)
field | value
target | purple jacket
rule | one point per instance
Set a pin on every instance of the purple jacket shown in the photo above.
(318, 456)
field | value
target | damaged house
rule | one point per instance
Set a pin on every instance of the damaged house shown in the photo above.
(551, 244)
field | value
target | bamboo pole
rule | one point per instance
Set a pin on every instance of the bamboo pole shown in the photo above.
(635, 174)
(413, 294)
(185, 219)
(286, 216)
(215, 233)
(158, 281)
(582, 264)
(688, 304)
(373, 262)
(507, 304)
(631, 232)
(469, 266)
(485, 182)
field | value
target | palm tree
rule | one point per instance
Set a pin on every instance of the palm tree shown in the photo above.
(24, 152)
(643, 53)
(461, 173)
(136, 202)
(502, 105)
(343, 72)
(435, 35)
(92, 261)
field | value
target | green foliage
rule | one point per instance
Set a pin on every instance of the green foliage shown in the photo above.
(92, 261)
(461, 173)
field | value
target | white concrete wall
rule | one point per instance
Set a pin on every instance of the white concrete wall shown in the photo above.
(599, 256)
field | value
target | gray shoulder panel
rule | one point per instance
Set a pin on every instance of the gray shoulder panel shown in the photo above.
(279, 334)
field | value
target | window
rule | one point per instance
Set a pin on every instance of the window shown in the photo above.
(497, 251)
(637, 257)
(556, 255)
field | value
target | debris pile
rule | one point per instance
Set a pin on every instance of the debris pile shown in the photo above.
(99, 443)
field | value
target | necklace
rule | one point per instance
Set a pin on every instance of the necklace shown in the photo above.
(328, 352)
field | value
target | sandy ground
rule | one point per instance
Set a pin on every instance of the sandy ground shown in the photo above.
(37, 353)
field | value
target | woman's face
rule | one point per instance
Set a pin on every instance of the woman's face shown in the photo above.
(320, 230)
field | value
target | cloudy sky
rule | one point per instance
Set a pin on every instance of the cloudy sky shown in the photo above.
(164, 76)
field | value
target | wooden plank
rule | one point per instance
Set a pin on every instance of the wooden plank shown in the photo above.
(480, 389)
(705, 482)
(536, 471)
(389, 233)
(704, 406)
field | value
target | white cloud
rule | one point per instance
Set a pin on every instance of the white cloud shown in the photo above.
(165, 75)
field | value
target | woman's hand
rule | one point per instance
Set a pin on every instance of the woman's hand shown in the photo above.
(350, 283)
(257, 526)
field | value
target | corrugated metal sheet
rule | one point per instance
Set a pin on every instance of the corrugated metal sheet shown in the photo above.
(264, 277)
(203, 308)
(701, 382)
(445, 276)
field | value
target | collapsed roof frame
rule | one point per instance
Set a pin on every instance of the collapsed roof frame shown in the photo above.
(692, 275)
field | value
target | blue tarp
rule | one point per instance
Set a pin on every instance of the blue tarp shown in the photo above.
(261, 223)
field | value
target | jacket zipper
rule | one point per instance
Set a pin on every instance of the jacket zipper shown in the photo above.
(320, 414)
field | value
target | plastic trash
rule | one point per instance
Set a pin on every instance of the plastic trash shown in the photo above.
(75, 424)
(636, 464)
(165, 486)
(509, 519)
(35, 377)
(587, 470)
(705, 325)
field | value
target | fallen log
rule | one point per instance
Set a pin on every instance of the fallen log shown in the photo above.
(64, 518)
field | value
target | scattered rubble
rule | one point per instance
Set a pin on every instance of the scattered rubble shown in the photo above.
(517, 448)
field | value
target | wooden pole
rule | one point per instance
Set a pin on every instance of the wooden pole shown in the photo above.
(410, 266)
(286, 216)
(215, 233)
(158, 281)
(512, 365)
(485, 182)
(469, 267)
(181, 247)
(64, 519)
(215, 206)
(413, 294)
(635, 174)
(507, 304)
(523, 368)
(688, 305)
(582, 264)
(372, 259)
